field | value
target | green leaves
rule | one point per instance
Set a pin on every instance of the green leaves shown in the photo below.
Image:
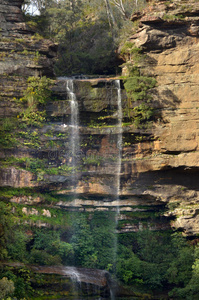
(16, 245)
(150, 260)
(94, 240)
(137, 89)
(38, 91)
(33, 118)
(6, 287)
(87, 45)
(36, 96)
(7, 135)
(48, 249)
(82, 241)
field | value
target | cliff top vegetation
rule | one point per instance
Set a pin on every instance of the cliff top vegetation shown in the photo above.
(88, 32)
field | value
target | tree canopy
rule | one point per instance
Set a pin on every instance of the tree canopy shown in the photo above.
(88, 32)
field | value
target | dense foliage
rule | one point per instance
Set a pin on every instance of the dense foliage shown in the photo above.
(35, 97)
(88, 32)
(145, 261)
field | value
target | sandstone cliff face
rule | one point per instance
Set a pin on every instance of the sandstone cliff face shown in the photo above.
(168, 36)
(21, 55)
(159, 167)
(12, 23)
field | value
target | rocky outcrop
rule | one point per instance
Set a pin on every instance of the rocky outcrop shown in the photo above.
(79, 281)
(168, 37)
(11, 19)
(159, 165)
(22, 54)
(16, 177)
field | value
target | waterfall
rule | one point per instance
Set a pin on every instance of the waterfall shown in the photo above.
(74, 136)
(118, 170)
(119, 141)
(114, 139)
(75, 277)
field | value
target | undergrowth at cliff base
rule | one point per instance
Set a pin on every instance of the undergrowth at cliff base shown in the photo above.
(146, 261)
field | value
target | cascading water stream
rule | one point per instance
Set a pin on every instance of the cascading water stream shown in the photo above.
(119, 142)
(74, 146)
(118, 171)
(75, 277)
(74, 136)
(74, 141)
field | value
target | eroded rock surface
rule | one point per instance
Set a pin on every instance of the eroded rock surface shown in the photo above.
(159, 166)
(22, 55)
(169, 38)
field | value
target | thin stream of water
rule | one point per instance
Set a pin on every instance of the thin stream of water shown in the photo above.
(75, 145)
(119, 140)
(118, 170)
(74, 136)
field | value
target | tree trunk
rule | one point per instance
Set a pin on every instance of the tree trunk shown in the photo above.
(111, 18)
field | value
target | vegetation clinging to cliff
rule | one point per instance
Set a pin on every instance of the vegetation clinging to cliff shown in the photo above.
(138, 104)
(88, 33)
(36, 95)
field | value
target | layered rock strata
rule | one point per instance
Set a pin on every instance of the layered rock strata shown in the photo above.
(159, 170)
(168, 36)
(22, 54)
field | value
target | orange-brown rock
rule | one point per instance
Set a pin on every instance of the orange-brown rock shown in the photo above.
(171, 48)
(16, 178)
(160, 164)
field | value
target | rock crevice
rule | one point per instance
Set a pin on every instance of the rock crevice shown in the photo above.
(159, 164)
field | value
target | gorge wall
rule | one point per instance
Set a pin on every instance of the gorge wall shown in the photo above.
(143, 174)
(23, 54)
(168, 36)
(159, 171)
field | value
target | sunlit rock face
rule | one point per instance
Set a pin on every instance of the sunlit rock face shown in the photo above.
(159, 166)
(170, 44)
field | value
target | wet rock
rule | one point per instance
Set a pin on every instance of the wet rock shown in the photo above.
(13, 177)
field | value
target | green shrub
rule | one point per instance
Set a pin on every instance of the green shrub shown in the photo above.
(38, 91)
(94, 241)
(48, 249)
(7, 137)
(6, 287)
(16, 245)
(6, 225)
(8, 124)
(33, 118)
(36, 96)
(138, 106)
(151, 260)
(22, 281)
(41, 257)
(138, 86)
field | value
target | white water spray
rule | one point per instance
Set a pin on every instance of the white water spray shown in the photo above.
(75, 278)
(119, 142)
(118, 170)
(74, 137)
